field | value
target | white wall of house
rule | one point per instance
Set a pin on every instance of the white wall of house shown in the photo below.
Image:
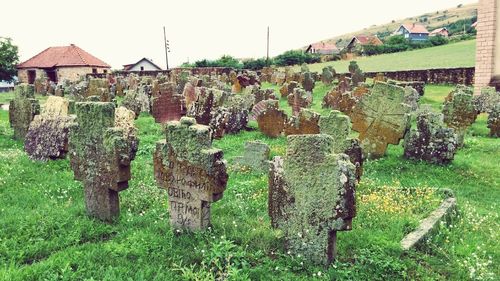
(144, 65)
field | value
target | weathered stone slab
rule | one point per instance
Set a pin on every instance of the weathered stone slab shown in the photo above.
(100, 157)
(305, 123)
(311, 196)
(22, 110)
(167, 105)
(432, 141)
(327, 75)
(494, 121)
(192, 171)
(299, 99)
(381, 118)
(337, 100)
(308, 82)
(486, 101)
(271, 120)
(459, 111)
(255, 156)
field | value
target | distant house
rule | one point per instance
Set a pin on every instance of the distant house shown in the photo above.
(143, 64)
(413, 32)
(358, 42)
(60, 63)
(6, 86)
(322, 48)
(443, 31)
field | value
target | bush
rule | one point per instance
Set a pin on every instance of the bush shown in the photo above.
(294, 57)
(256, 64)
(224, 61)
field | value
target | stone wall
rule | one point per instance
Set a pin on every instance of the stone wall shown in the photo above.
(485, 43)
(463, 75)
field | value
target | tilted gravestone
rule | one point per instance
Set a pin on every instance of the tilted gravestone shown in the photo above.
(299, 99)
(494, 121)
(311, 196)
(381, 118)
(22, 110)
(432, 141)
(256, 156)
(167, 105)
(305, 123)
(459, 112)
(100, 156)
(271, 119)
(338, 125)
(47, 137)
(193, 173)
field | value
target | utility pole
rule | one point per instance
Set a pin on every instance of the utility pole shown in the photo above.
(167, 48)
(267, 58)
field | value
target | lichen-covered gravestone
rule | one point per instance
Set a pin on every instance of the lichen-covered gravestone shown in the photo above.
(459, 111)
(305, 123)
(338, 125)
(327, 75)
(101, 154)
(256, 156)
(494, 121)
(22, 110)
(312, 196)
(193, 173)
(308, 82)
(47, 137)
(299, 99)
(343, 101)
(271, 119)
(432, 141)
(167, 105)
(381, 118)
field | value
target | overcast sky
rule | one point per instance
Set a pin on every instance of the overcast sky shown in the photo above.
(122, 32)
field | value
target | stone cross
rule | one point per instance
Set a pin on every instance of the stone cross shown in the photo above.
(343, 101)
(47, 137)
(299, 99)
(167, 105)
(312, 196)
(22, 110)
(459, 111)
(305, 123)
(381, 118)
(431, 141)
(101, 154)
(327, 75)
(193, 173)
(308, 82)
(338, 125)
(271, 119)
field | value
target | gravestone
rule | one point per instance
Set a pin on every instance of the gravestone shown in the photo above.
(311, 196)
(379, 78)
(100, 156)
(271, 120)
(47, 137)
(299, 99)
(305, 123)
(255, 156)
(22, 110)
(327, 75)
(486, 101)
(189, 94)
(133, 101)
(344, 84)
(459, 112)
(308, 82)
(338, 125)
(201, 108)
(167, 105)
(264, 94)
(193, 173)
(381, 118)
(98, 86)
(337, 100)
(494, 121)
(431, 141)
(358, 77)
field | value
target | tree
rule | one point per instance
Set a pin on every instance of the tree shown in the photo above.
(8, 59)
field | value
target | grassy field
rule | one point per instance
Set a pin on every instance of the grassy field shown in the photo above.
(461, 54)
(46, 235)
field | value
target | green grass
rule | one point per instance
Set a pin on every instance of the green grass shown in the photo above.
(461, 54)
(46, 235)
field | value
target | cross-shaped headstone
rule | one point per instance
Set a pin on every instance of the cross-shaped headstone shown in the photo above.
(459, 111)
(298, 99)
(311, 196)
(101, 154)
(271, 119)
(381, 118)
(22, 110)
(305, 123)
(193, 173)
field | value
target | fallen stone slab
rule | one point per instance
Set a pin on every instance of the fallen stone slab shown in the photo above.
(429, 224)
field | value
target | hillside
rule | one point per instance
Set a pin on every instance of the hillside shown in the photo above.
(460, 54)
(430, 20)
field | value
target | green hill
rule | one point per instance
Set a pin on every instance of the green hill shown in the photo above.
(462, 54)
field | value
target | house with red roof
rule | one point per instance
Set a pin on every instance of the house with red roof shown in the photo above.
(358, 42)
(443, 31)
(322, 48)
(413, 32)
(60, 63)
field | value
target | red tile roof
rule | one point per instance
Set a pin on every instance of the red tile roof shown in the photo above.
(368, 40)
(439, 30)
(415, 28)
(63, 56)
(324, 46)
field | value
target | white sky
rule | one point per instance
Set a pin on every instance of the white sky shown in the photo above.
(122, 32)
